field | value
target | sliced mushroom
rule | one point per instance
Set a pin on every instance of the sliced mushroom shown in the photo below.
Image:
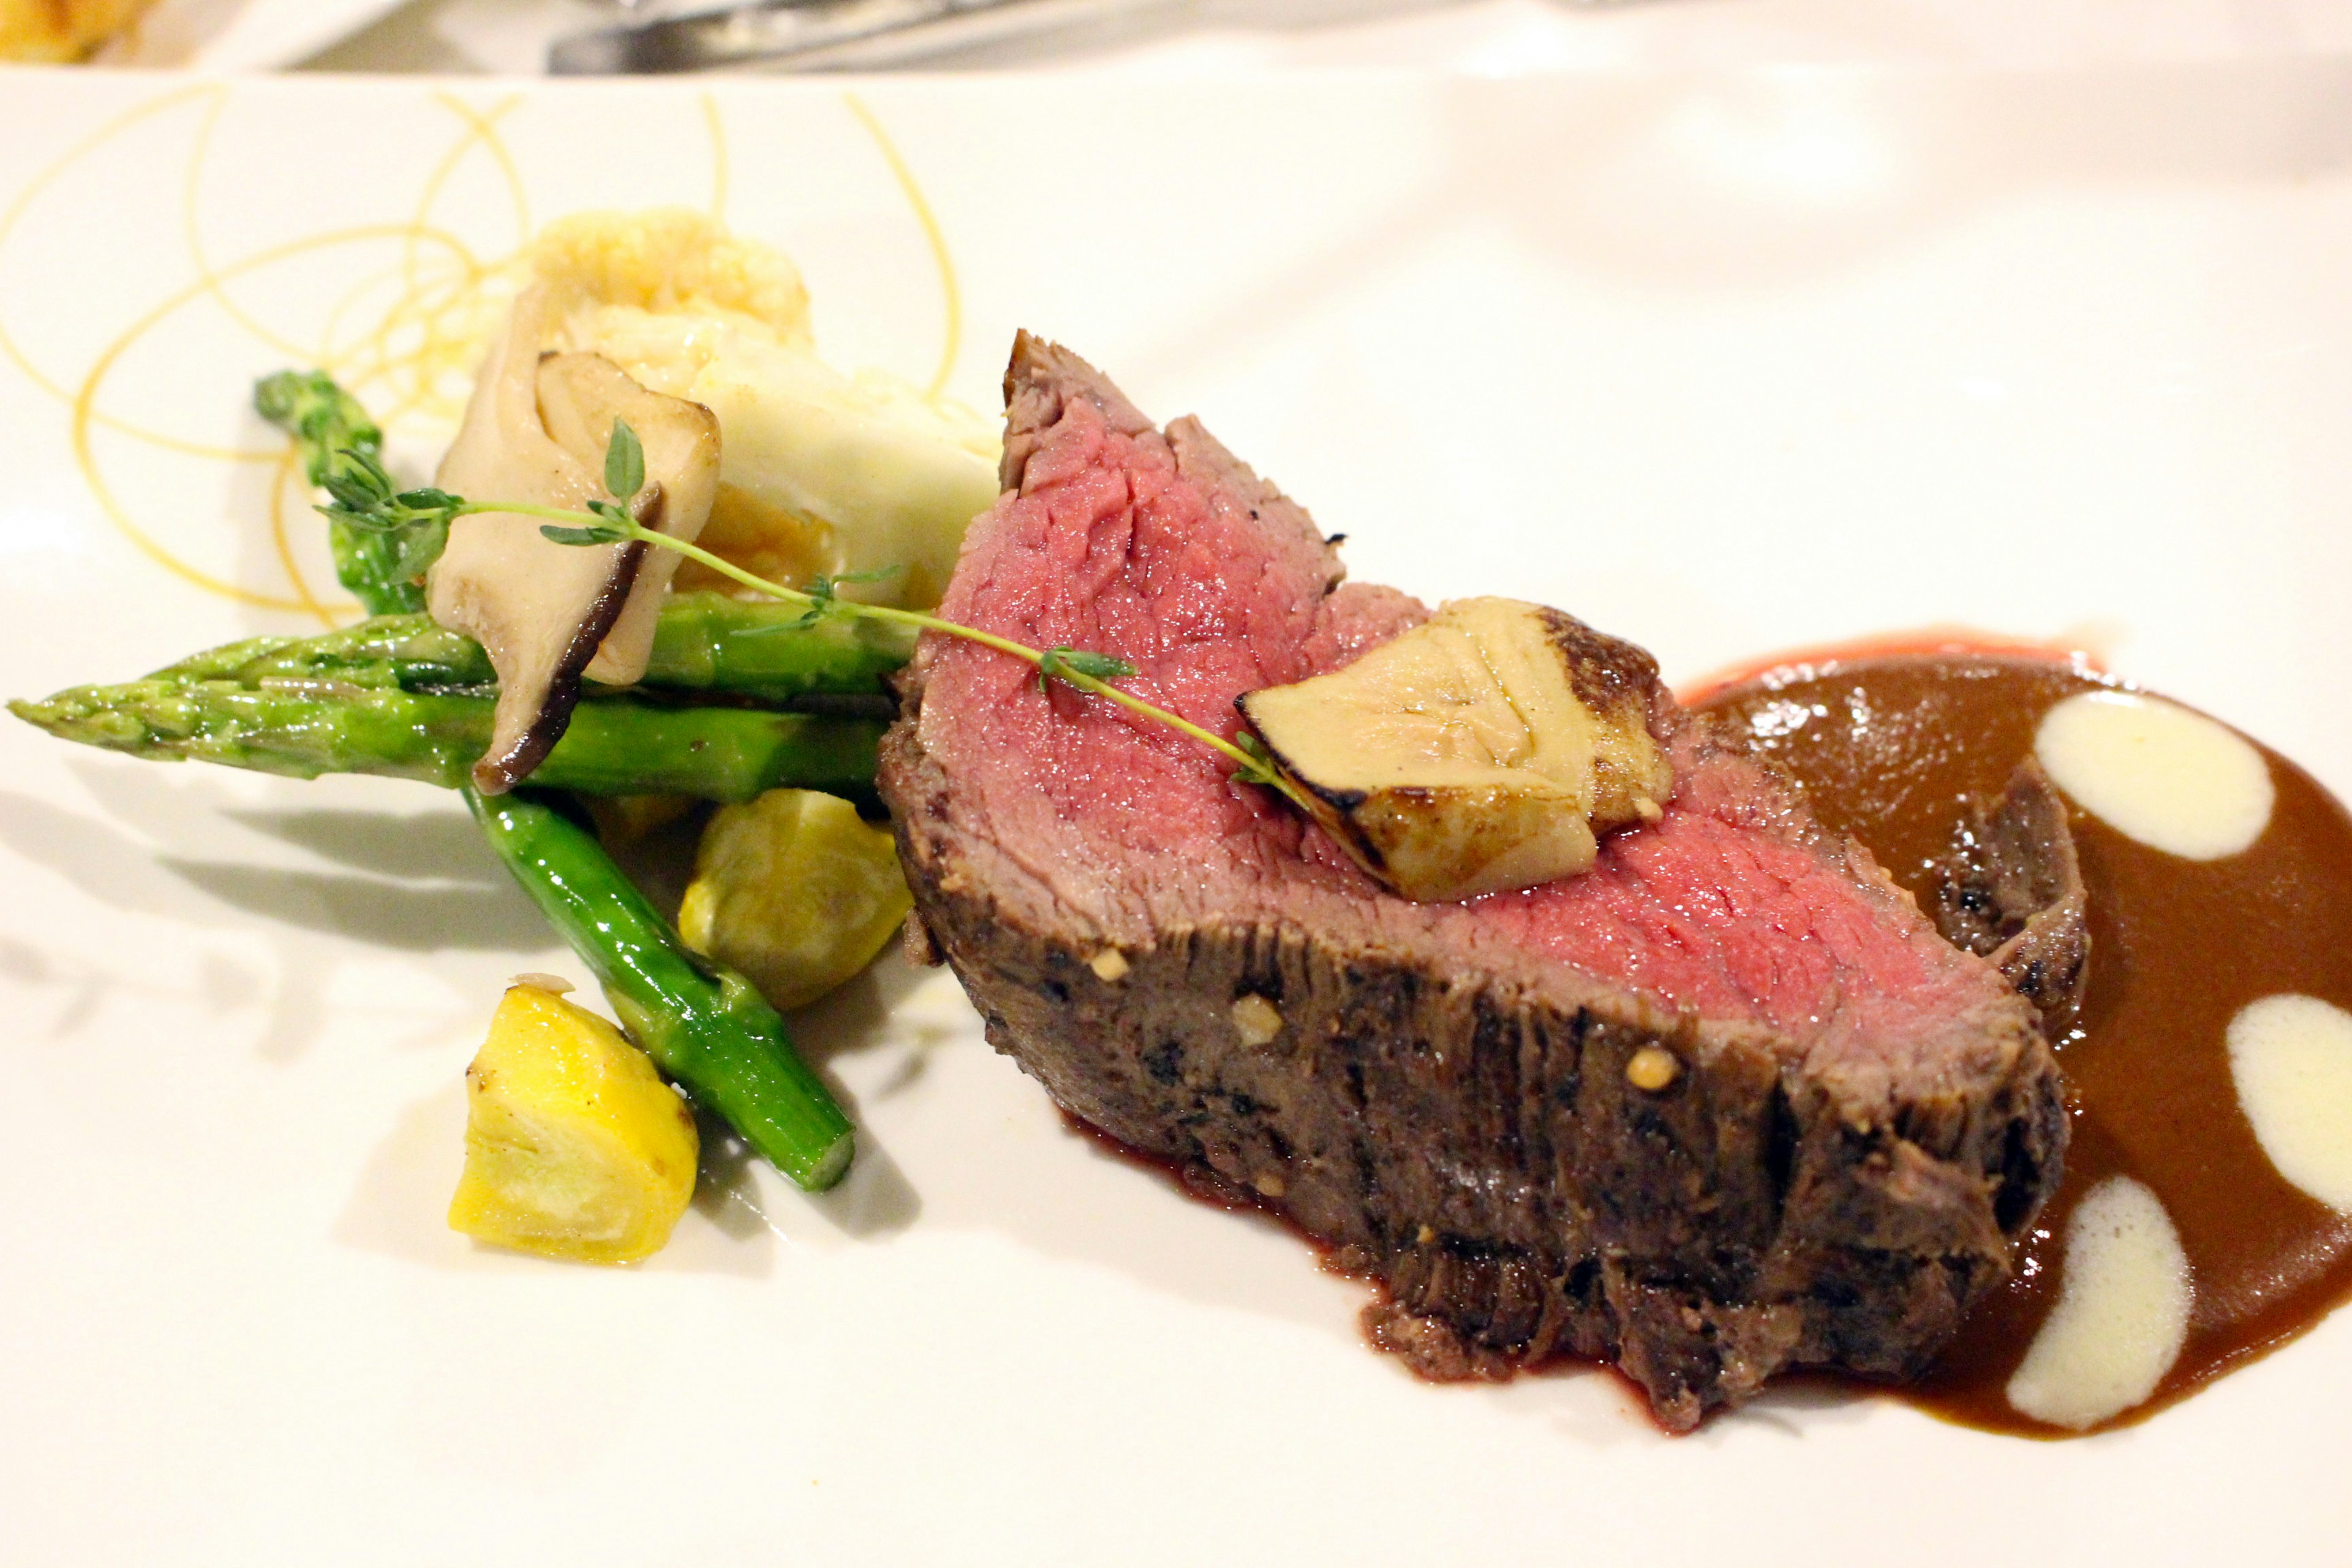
(580, 395)
(547, 613)
(1484, 749)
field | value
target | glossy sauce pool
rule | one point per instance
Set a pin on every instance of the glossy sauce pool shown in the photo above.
(1891, 748)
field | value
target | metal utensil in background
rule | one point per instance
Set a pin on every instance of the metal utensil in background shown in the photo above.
(812, 34)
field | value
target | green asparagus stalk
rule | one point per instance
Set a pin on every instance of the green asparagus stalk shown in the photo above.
(714, 754)
(703, 643)
(708, 642)
(304, 727)
(405, 653)
(704, 1025)
(336, 437)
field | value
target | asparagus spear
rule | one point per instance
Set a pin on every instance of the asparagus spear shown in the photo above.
(703, 1025)
(716, 753)
(770, 651)
(407, 653)
(305, 727)
(703, 642)
(337, 438)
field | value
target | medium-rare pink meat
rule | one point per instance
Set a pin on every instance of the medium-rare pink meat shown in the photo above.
(1857, 1117)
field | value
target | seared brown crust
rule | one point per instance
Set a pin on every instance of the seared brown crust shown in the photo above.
(1611, 677)
(1484, 1155)
(1032, 403)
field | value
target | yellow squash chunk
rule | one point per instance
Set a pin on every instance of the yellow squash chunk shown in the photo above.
(796, 892)
(575, 1146)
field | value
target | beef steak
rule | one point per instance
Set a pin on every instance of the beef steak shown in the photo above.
(1848, 1124)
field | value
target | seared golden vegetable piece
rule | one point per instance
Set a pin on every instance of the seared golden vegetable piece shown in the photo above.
(1482, 750)
(575, 1146)
(796, 892)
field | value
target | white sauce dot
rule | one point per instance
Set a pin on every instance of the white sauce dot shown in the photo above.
(2122, 1312)
(2291, 1057)
(2153, 771)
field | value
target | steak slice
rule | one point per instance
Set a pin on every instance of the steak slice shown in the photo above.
(1859, 1118)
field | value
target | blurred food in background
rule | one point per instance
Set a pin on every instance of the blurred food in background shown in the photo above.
(60, 30)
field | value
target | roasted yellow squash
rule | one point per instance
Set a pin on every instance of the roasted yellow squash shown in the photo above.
(575, 1146)
(796, 892)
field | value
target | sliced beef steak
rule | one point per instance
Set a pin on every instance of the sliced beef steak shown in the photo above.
(1725, 1105)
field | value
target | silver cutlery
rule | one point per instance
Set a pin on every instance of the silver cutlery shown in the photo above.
(809, 33)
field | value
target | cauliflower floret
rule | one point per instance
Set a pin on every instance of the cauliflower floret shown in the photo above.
(669, 262)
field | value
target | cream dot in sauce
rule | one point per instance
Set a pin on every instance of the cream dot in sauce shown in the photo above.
(2155, 771)
(2291, 1058)
(2122, 1315)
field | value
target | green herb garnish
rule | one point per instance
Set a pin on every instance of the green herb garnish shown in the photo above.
(365, 498)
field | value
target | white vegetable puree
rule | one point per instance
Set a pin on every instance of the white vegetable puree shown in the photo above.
(2291, 1057)
(2121, 1313)
(2174, 780)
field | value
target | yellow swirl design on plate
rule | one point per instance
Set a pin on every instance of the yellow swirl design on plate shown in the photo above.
(411, 297)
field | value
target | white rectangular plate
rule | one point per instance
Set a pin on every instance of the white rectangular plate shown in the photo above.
(1722, 364)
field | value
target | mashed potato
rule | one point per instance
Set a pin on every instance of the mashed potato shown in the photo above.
(820, 471)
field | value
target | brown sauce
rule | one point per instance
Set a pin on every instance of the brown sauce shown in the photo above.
(1890, 748)
(1957, 641)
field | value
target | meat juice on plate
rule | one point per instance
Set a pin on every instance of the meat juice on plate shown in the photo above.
(2205, 1214)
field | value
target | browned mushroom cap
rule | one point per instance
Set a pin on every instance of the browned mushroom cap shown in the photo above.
(547, 613)
(1482, 750)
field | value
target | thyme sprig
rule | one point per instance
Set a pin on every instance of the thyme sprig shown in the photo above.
(419, 520)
